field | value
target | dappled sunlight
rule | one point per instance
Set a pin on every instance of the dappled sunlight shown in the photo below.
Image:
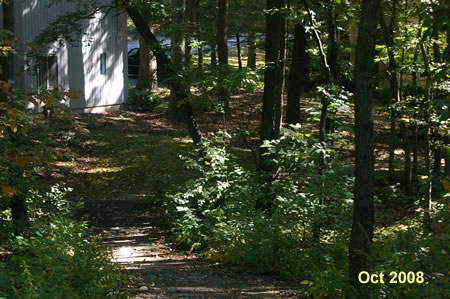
(95, 142)
(103, 170)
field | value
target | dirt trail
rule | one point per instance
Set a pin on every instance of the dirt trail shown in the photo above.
(117, 157)
(139, 243)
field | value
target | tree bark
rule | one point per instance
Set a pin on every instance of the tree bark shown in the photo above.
(388, 36)
(273, 42)
(6, 62)
(177, 50)
(199, 38)
(414, 126)
(222, 26)
(222, 51)
(147, 77)
(297, 75)
(363, 211)
(447, 138)
(407, 170)
(192, 7)
(238, 45)
(213, 55)
(281, 70)
(172, 70)
(437, 151)
(162, 60)
(251, 40)
(328, 76)
(332, 51)
(427, 104)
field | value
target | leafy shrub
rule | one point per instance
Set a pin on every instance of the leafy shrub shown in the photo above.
(55, 258)
(217, 212)
(143, 100)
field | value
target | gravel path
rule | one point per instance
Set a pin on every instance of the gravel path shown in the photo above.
(139, 242)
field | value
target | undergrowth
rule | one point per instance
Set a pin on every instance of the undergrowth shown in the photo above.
(302, 229)
(54, 257)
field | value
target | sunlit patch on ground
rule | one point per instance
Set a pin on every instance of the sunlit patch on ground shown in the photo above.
(103, 170)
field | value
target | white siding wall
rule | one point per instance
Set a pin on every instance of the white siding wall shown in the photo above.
(79, 64)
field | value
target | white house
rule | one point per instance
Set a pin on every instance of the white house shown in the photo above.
(95, 67)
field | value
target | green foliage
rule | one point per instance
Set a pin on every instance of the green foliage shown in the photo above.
(234, 80)
(340, 110)
(55, 258)
(404, 247)
(143, 100)
(217, 212)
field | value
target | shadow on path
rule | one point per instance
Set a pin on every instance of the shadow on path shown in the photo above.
(138, 241)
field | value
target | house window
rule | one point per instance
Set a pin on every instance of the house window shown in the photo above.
(41, 74)
(103, 63)
(47, 72)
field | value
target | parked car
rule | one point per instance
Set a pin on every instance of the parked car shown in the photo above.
(133, 62)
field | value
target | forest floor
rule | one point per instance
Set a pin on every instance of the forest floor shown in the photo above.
(113, 170)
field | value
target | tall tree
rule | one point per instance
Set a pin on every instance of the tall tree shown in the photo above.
(333, 46)
(427, 107)
(6, 61)
(251, 39)
(147, 77)
(281, 70)
(173, 70)
(274, 34)
(447, 138)
(327, 69)
(222, 50)
(17, 200)
(297, 75)
(363, 210)
(388, 36)
(177, 50)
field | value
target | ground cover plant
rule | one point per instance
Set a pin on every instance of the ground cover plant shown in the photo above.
(45, 251)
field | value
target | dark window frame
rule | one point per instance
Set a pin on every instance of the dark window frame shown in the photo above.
(103, 63)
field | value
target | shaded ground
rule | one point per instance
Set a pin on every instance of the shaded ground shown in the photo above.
(139, 242)
(113, 171)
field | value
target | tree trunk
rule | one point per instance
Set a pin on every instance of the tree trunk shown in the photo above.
(328, 76)
(172, 70)
(6, 62)
(437, 150)
(447, 138)
(238, 45)
(297, 75)
(388, 36)
(177, 49)
(147, 77)
(162, 60)
(213, 55)
(273, 42)
(222, 51)
(363, 213)
(414, 126)
(251, 50)
(281, 70)
(251, 39)
(332, 51)
(192, 7)
(407, 170)
(427, 102)
(199, 38)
